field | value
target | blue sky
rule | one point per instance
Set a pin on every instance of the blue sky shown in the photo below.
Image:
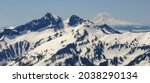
(17, 12)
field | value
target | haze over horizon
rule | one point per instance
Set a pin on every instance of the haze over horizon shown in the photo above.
(14, 12)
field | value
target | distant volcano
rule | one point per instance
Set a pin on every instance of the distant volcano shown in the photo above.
(106, 18)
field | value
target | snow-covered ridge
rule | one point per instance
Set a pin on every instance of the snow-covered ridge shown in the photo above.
(52, 41)
(6, 27)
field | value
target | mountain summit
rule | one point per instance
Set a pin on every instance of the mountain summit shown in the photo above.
(48, 20)
(74, 20)
(106, 18)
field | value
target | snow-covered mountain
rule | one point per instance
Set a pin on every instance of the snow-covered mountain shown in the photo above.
(50, 40)
(106, 18)
(6, 27)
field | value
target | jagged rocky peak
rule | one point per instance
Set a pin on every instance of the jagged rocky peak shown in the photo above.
(48, 15)
(75, 20)
(51, 16)
(49, 20)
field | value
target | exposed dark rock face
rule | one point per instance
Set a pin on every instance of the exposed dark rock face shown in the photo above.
(75, 20)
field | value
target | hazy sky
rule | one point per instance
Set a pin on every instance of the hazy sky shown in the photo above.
(16, 12)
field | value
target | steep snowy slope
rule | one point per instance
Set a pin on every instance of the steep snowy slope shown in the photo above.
(90, 46)
(14, 42)
(78, 42)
